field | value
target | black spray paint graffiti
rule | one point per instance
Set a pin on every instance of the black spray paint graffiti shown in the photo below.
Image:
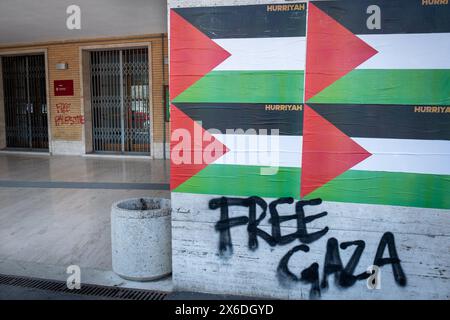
(343, 275)
(226, 223)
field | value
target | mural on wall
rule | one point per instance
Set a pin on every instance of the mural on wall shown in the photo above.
(334, 104)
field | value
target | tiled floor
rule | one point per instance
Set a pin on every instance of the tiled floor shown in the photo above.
(82, 169)
(62, 216)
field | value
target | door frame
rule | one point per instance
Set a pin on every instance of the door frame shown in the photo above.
(24, 52)
(85, 89)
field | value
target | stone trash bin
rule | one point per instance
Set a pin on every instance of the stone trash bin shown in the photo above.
(141, 238)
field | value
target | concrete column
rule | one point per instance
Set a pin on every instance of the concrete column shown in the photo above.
(86, 108)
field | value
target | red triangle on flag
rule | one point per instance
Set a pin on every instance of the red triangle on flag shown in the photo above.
(327, 152)
(192, 54)
(192, 148)
(332, 51)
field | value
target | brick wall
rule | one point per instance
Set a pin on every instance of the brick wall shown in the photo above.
(69, 54)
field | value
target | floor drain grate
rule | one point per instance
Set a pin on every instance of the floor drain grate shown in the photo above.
(86, 289)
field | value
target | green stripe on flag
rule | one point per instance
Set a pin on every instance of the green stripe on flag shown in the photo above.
(388, 188)
(246, 87)
(371, 187)
(371, 86)
(241, 180)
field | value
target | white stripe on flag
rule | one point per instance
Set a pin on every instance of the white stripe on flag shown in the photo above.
(255, 54)
(405, 155)
(408, 51)
(261, 150)
(390, 155)
(395, 51)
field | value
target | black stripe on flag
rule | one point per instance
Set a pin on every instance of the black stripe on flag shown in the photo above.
(288, 119)
(251, 21)
(397, 16)
(388, 121)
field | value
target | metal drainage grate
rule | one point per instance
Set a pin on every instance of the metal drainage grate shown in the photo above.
(86, 289)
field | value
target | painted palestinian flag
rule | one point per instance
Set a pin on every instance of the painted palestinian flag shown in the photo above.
(367, 136)
(245, 54)
(258, 162)
(411, 66)
(375, 127)
(242, 77)
(404, 166)
(409, 147)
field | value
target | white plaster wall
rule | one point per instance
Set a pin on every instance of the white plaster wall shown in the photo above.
(60, 147)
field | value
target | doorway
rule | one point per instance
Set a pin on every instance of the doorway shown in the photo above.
(121, 120)
(25, 102)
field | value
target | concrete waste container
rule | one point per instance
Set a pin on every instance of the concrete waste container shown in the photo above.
(141, 238)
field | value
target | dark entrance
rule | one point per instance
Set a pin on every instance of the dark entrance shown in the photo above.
(25, 101)
(120, 101)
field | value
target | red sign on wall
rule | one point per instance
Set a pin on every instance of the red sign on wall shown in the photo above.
(63, 87)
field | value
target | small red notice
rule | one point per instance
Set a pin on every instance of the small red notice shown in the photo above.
(63, 87)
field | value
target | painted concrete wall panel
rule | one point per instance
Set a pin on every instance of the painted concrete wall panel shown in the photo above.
(354, 118)
(198, 267)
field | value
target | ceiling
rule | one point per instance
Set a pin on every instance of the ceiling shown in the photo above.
(24, 21)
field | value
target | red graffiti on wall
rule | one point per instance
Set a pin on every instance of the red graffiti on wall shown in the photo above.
(63, 118)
